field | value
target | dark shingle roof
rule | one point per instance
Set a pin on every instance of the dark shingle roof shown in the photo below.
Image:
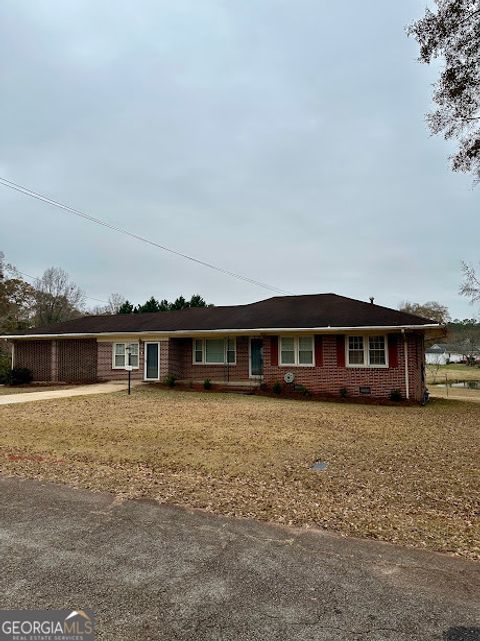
(308, 311)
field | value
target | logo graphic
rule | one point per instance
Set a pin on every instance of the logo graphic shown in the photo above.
(47, 625)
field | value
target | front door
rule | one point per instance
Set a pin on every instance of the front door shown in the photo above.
(152, 361)
(256, 358)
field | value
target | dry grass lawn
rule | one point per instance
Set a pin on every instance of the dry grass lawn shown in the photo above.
(404, 474)
(453, 372)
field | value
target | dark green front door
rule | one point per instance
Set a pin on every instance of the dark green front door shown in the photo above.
(152, 362)
(256, 357)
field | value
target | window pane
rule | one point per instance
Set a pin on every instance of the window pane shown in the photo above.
(355, 357)
(287, 357)
(355, 342)
(355, 350)
(305, 350)
(305, 357)
(231, 350)
(214, 350)
(377, 350)
(119, 348)
(198, 350)
(133, 349)
(287, 344)
(305, 343)
(119, 360)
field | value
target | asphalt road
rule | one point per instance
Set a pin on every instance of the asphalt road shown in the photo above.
(165, 573)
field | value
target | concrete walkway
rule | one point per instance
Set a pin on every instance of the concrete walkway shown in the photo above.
(81, 390)
(161, 573)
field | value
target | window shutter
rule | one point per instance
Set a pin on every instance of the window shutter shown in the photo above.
(274, 351)
(318, 351)
(340, 350)
(392, 350)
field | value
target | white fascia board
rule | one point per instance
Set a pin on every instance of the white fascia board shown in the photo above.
(233, 331)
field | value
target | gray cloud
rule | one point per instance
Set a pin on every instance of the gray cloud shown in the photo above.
(281, 140)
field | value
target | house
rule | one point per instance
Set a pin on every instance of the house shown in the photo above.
(324, 342)
(442, 354)
(445, 353)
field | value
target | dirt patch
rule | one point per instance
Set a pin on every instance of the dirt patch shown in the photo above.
(402, 474)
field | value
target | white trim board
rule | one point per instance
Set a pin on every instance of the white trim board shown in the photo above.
(199, 333)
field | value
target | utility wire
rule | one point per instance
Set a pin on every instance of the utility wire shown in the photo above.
(33, 194)
(36, 278)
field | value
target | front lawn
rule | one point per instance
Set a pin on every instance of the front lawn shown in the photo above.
(404, 474)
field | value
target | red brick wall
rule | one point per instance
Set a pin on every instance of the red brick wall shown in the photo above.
(76, 360)
(181, 363)
(330, 377)
(85, 359)
(107, 373)
(36, 356)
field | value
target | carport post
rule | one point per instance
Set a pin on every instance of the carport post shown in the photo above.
(129, 368)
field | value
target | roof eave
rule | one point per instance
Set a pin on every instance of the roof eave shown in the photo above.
(253, 330)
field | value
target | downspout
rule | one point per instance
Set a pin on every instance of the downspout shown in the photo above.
(405, 359)
(13, 355)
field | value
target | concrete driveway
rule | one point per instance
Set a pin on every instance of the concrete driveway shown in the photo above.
(80, 390)
(166, 573)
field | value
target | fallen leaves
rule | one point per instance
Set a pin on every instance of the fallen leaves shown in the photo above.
(407, 475)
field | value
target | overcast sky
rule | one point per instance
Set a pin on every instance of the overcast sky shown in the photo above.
(284, 140)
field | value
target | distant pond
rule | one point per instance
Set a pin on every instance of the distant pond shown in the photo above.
(472, 384)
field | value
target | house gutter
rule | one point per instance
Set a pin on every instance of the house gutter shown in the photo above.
(405, 357)
(227, 332)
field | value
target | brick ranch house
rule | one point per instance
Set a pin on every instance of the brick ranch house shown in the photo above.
(323, 342)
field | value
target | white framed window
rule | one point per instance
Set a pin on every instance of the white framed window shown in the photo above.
(297, 351)
(214, 351)
(366, 351)
(125, 354)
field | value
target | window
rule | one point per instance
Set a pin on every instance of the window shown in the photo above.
(305, 350)
(376, 350)
(356, 352)
(197, 351)
(214, 351)
(121, 353)
(367, 351)
(296, 350)
(231, 351)
(287, 352)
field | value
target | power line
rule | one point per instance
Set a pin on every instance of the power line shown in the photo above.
(33, 194)
(99, 300)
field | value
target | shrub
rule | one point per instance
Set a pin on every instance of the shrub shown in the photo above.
(343, 392)
(170, 380)
(5, 366)
(395, 395)
(207, 384)
(20, 376)
(277, 387)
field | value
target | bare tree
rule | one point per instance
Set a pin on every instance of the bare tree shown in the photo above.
(432, 310)
(57, 298)
(113, 306)
(470, 286)
(115, 302)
